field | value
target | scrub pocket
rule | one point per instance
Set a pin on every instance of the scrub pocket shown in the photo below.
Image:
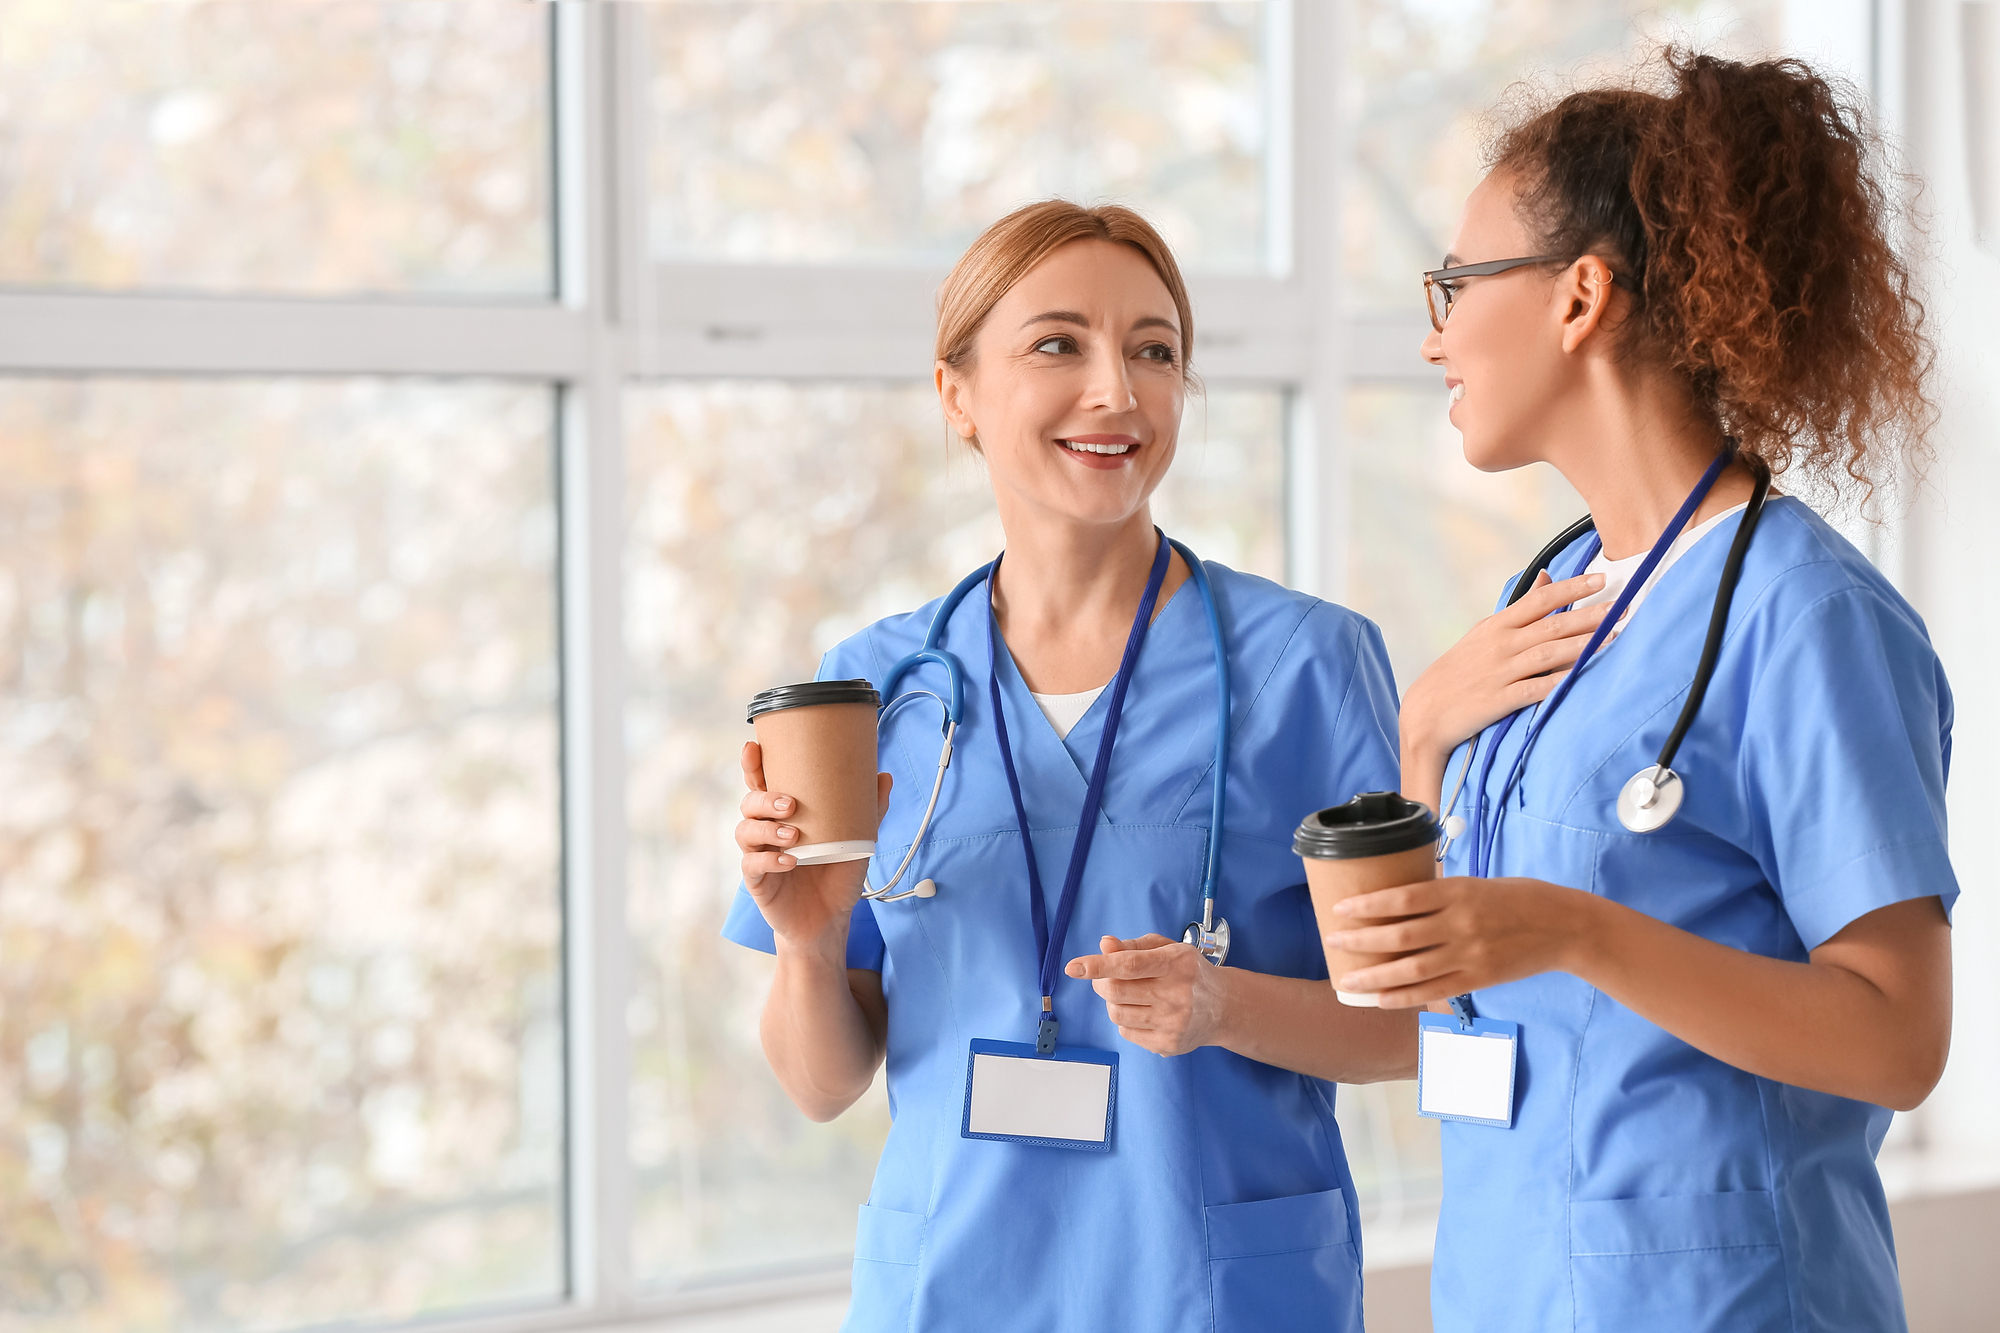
(1689, 1262)
(887, 1246)
(1284, 1264)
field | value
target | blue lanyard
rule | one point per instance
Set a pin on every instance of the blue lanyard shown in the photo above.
(1486, 748)
(1483, 842)
(1049, 943)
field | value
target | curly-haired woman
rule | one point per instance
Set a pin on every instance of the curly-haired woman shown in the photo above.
(1669, 297)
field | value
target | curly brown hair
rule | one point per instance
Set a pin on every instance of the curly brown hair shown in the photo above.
(1745, 199)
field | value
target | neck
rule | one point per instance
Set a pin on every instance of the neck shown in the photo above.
(1068, 591)
(1634, 450)
(1061, 575)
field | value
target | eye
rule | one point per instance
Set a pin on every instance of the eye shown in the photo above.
(1060, 344)
(1158, 352)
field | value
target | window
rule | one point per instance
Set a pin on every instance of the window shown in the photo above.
(279, 941)
(323, 146)
(885, 130)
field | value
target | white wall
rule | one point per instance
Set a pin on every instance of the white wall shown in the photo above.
(1952, 544)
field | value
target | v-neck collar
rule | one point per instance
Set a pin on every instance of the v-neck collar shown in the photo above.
(1055, 772)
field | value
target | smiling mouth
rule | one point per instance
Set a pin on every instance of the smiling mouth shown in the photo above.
(1105, 450)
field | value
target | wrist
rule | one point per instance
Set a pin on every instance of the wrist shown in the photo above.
(1586, 943)
(1226, 1029)
(825, 949)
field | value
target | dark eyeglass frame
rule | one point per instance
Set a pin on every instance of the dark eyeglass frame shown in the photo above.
(1441, 280)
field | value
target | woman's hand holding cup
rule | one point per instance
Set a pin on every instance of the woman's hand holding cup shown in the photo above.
(808, 906)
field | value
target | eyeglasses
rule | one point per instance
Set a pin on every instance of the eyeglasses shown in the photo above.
(1441, 284)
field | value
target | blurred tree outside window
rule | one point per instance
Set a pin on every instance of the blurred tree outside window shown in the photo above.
(315, 146)
(279, 858)
(893, 130)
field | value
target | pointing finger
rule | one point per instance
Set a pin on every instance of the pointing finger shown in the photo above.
(1125, 965)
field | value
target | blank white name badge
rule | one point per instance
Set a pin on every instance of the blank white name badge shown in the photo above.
(1062, 1100)
(1466, 1073)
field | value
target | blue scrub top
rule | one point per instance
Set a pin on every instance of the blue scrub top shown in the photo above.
(1225, 1202)
(1646, 1185)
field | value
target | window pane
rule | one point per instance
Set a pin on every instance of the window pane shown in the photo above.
(313, 146)
(1433, 538)
(1424, 76)
(734, 584)
(279, 938)
(893, 130)
(1224, 497)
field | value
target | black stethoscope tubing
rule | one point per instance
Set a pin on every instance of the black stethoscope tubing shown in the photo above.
(1718, 619)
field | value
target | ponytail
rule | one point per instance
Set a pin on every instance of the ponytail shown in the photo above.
(1741, 201)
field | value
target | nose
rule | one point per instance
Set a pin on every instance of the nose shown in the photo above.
(1110, 385)
(1432, 349)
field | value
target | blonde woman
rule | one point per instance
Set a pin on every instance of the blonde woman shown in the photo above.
(1208, 1188)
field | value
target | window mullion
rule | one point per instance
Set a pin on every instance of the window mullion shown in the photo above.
(596, 937)
(1318, 476)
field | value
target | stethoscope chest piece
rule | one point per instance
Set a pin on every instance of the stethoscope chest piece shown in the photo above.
(1214, 944)
(1651, 799)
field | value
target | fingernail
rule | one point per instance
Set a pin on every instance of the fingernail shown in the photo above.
(1074, 969)
(788, 833)
(783, 805)
(787, 861)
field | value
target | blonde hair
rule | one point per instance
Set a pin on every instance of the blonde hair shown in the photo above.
(1005, 252)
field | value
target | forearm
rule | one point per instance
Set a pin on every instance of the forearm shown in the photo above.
(1301, 1026)
(820, 1042)
(1817, 1025)
(1423, 773)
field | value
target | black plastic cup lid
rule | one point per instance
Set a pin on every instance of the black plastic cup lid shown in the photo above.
(1375, 823)
(812, 692)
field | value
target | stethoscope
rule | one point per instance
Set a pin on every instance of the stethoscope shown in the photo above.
(1652, 797)
(1211, 933)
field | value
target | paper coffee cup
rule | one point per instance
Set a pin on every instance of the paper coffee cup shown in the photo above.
(1376, 841)
(818, 740)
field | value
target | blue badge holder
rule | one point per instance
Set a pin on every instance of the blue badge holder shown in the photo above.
(1026, 1050)
(1465, 1026)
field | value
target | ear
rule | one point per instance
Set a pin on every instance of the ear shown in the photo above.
(952, 392)
(1584, 291)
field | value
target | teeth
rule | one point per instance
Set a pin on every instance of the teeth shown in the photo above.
(1083, 448)
(1457, 392)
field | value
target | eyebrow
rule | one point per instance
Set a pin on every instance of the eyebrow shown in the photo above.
(1450, 260)
(1072, 317)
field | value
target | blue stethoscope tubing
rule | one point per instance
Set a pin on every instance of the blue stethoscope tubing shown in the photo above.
(1214, 934)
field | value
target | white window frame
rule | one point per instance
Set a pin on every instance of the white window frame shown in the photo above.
(616, 317)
